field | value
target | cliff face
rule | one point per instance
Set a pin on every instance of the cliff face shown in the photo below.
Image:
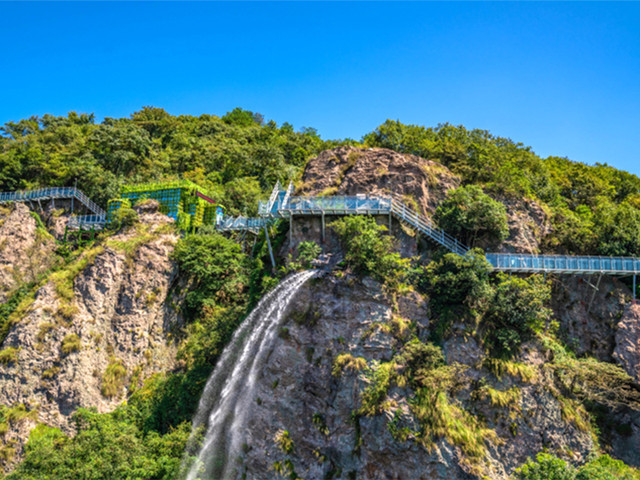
(421, 183)
(94, 330)
(25, 249)
(334, 399)
(378, 171)
(320, 406)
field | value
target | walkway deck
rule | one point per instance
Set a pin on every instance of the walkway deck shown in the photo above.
(564, 264)
(97, 218)
(282, 205)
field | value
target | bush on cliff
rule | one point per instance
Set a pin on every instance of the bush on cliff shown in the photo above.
(368, 251)
(472, 216)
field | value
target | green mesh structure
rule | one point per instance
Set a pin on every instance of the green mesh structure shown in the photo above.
(184, 201)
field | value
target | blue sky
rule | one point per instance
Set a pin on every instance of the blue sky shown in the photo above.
(563, 78)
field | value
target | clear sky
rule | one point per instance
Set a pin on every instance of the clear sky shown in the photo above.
(563, 78)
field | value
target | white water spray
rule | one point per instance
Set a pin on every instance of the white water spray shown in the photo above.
(228, 395)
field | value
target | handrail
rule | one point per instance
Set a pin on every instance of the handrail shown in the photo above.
(513, 262)
(274, 194)
(51, 193)
(285, 200)
(426, 226)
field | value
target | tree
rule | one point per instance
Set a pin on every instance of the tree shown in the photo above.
(217, 268)
(458, 287)
(308, 252)
(545, 467)
(368, 251)
(516, 311)
(472, 216)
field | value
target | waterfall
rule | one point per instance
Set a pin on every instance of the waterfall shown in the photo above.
(228, 395)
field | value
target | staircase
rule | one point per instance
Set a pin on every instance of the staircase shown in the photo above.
(424, 225)
(97, 218)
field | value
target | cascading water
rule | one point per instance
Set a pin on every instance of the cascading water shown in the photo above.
(228, 395)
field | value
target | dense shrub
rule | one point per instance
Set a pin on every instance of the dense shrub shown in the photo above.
(545, 467)
(308, 252)
(458, 287)
(548, 467)
(71, 343)
(368, 251)
(106, 446)
(472, 216)
(517, 311)
(217, 268)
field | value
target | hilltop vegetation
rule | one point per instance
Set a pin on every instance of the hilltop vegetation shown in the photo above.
(237, 158)
(593, 209)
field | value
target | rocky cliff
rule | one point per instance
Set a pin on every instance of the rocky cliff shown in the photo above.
(420, 183)
(26, 247)
(320, 403)
(92, 331)
(349, 388)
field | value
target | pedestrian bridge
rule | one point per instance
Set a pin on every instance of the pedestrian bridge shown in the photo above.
(97, 218)
(282, 204)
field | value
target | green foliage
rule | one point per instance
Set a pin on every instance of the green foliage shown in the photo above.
(509, 310)
(458, 287)
(124, 217)
(152, 145)
(10, 306)
(369, 252)
(283, 440)
(417, 361)
(347, 362)
(606, 468)
(548, 467)
(567, 189)
(113, 378)
(372, 397)
(9, 355)
(307, 252)
(219, 279)
(588, 379)
(217, 268)
(472, 216)
(516, 312)
(107, 446)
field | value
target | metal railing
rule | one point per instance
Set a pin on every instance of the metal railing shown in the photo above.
(51, 193)
(90, 204)
(81, 221)
(341, 205)
(242, 223)
(567, 264)
(38, 194)
(427, 227)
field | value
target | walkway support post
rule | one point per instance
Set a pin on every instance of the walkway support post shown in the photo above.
(634, 288)
(266, 234)
(323, 226)
(75, 187)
